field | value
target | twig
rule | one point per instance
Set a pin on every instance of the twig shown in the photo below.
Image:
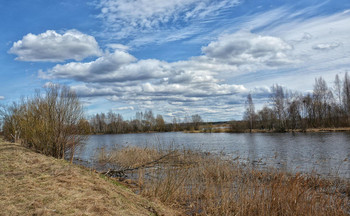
(121, 173)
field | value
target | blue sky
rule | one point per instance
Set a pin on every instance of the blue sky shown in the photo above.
(176, 57)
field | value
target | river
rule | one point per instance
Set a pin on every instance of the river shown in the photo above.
(325, 154)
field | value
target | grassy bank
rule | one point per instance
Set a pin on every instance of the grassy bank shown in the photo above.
(34, 184)
(205, 184)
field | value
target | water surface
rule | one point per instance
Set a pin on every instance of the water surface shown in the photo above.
(327, 154)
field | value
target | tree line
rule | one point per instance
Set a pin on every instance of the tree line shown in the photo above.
(290, 110)
(147, 121)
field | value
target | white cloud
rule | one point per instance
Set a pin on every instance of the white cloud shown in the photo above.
(127, 18)
(143, 14)
(111, 67)
(245, 48)
(120, 47)
(326, 46)
(125, 108)
(120, 76)
(54, 47)
(320, 46)
(2, 98)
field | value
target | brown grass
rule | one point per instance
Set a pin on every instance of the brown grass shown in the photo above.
(34, 184)
(129, 157)
(342, 129)
(208, 185)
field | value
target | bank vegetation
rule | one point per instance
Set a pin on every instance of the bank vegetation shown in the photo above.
(207, 184)
(325, 107)
(50, 122)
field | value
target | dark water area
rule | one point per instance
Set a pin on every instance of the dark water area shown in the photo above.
(325, 154)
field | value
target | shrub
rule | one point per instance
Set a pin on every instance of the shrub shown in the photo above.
(50, 123)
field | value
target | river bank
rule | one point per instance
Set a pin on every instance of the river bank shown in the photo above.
(195, 182)
(34, 184)
(226, 129)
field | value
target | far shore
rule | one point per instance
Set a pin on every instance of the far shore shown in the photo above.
(227, 130)
(308, 130)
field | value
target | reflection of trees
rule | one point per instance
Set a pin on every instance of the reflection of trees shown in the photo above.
(252, 153)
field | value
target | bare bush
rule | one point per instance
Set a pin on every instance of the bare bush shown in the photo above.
(51, 122)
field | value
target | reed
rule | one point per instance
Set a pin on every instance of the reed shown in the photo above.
(206, 184)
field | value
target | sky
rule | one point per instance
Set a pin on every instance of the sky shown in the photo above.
(176, 57)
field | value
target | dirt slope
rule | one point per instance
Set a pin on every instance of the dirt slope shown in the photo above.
(34, 184)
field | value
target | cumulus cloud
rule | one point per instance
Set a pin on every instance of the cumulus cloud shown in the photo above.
(2, 98)
(245, 48)
(111, 67)
(120, 76)
(162, 87)
(54, 47)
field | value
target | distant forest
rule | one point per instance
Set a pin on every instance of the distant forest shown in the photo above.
(113, 123)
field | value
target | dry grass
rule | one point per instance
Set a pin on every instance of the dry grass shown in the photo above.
(129, 157)
(207, 185)
(34, 184)
(341, 129)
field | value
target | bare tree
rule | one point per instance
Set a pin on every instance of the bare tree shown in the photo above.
(250, 111)
(322, 98)
(346, 95)
(150, 121)
(11, 118)
(278, 100)
(266, 118)
(175, 124)
(160, 123)
(49, 123)
(294, 110)
(338, 89)
(196, 120)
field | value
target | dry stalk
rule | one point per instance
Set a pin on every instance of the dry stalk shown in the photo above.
(208, 185)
